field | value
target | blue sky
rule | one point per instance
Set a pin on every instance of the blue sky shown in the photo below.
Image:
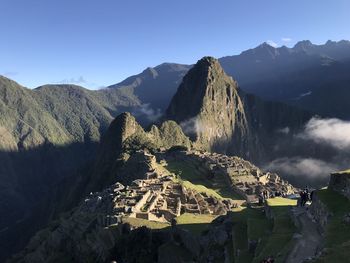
(100, 42)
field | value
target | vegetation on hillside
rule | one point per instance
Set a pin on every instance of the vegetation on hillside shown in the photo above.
(337, 236)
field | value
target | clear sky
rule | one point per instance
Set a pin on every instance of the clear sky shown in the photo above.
(100, 42)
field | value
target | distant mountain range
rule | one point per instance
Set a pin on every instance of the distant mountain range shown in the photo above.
(313, 77)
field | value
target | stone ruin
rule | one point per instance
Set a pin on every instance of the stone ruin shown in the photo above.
(157, 197)
(244, 178)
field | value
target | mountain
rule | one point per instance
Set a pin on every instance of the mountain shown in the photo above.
(209, 108)
(220, 117)
(49, 136)
(125, 136)
(305, 76)
(136, 196)
(301, 76)
(58, 114)
(46, 135)
(155, 86)
(178, 205)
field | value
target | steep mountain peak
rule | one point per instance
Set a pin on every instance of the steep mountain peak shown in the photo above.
(171, 67)
(208, 107)
(303, 45)
(122, 127)
(261, 52)
(265, 45)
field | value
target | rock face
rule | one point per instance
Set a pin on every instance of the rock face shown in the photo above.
(209, 109)
(220, 117)
(340, 182)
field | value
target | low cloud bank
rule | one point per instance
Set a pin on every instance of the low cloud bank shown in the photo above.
(147, 112)
(193, 126)
(323, 147)
(302, 167)
(332, 132)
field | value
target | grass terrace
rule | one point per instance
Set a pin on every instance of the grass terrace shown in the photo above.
(195, 223)
(337, 233)
(280, 201)
(198, 181)
(139, 222)
(273, 237)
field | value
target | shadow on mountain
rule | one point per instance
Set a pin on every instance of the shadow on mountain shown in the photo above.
(35, 186)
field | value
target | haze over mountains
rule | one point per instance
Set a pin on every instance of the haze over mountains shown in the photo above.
(49, 136)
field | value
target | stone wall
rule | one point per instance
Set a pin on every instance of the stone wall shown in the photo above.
(320, 212)
(340, 182)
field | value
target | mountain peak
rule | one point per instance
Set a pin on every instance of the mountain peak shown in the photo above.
(303, 45)
(207, 60)
(208, 106)
(123, 126)
(266, 45)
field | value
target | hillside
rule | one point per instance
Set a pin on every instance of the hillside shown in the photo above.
(46, 135)
(154, 191)
(176, 205)
(155, 86)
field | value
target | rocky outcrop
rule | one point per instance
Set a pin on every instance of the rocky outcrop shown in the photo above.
(209, 109)
(340, 182)
(125, 136)
(169, 134)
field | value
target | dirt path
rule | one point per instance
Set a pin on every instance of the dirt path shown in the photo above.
(307, 241)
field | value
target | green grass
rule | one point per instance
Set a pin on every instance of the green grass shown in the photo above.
(337, 233)
(344, 172)
(279, 242)
(249, 224)
(201, 189)
(195, 223)
(274, 236)
(196, 180)
(280, 201)
(139, 222)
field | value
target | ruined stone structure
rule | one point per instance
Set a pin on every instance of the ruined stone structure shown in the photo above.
(157, 197)
(245, 179)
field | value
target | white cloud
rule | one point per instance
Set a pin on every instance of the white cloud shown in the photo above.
(302, 167)
(146, 111)
(284, 130)
(10, 74)
(77, 81)
(272, 43)
(189, 126)
(286, 39)
(81, 81)
(194, 126)
(332, 132)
